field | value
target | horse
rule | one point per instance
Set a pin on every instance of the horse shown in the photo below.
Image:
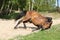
(37, 19)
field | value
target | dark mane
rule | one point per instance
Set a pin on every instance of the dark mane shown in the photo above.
(21, 14)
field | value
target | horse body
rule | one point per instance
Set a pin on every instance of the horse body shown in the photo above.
(37, 19)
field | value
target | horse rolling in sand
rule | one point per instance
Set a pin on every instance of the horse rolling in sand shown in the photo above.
(37, 19)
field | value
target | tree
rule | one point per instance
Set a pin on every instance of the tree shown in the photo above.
(39, 5)
(44, 5)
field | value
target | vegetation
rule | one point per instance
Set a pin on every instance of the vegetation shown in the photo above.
(7, 7)
(11, 16)
(42, 5)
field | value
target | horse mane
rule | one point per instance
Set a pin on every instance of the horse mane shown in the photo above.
(21, 14)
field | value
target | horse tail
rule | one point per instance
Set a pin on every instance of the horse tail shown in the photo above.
(21, 14)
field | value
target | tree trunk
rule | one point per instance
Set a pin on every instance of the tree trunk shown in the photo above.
(2, 5)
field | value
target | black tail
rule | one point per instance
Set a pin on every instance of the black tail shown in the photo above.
(21, 14)
(49, 19)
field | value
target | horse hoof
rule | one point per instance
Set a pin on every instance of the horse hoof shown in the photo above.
(33, 30)
(25, 28)
(42, 29)
(15, 27)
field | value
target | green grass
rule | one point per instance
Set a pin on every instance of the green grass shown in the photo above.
(52, 34)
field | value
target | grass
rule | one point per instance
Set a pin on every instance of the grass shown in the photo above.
(52, 34)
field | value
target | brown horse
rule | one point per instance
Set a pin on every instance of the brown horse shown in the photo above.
(37, 19)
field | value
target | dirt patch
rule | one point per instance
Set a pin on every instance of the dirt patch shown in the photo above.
(7, 28)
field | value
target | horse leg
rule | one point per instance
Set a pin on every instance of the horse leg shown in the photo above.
(42, 29)
(47, 26)
(39, 26)
(24, 25)
(17, 24)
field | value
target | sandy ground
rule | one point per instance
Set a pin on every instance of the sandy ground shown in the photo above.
(7, 28)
